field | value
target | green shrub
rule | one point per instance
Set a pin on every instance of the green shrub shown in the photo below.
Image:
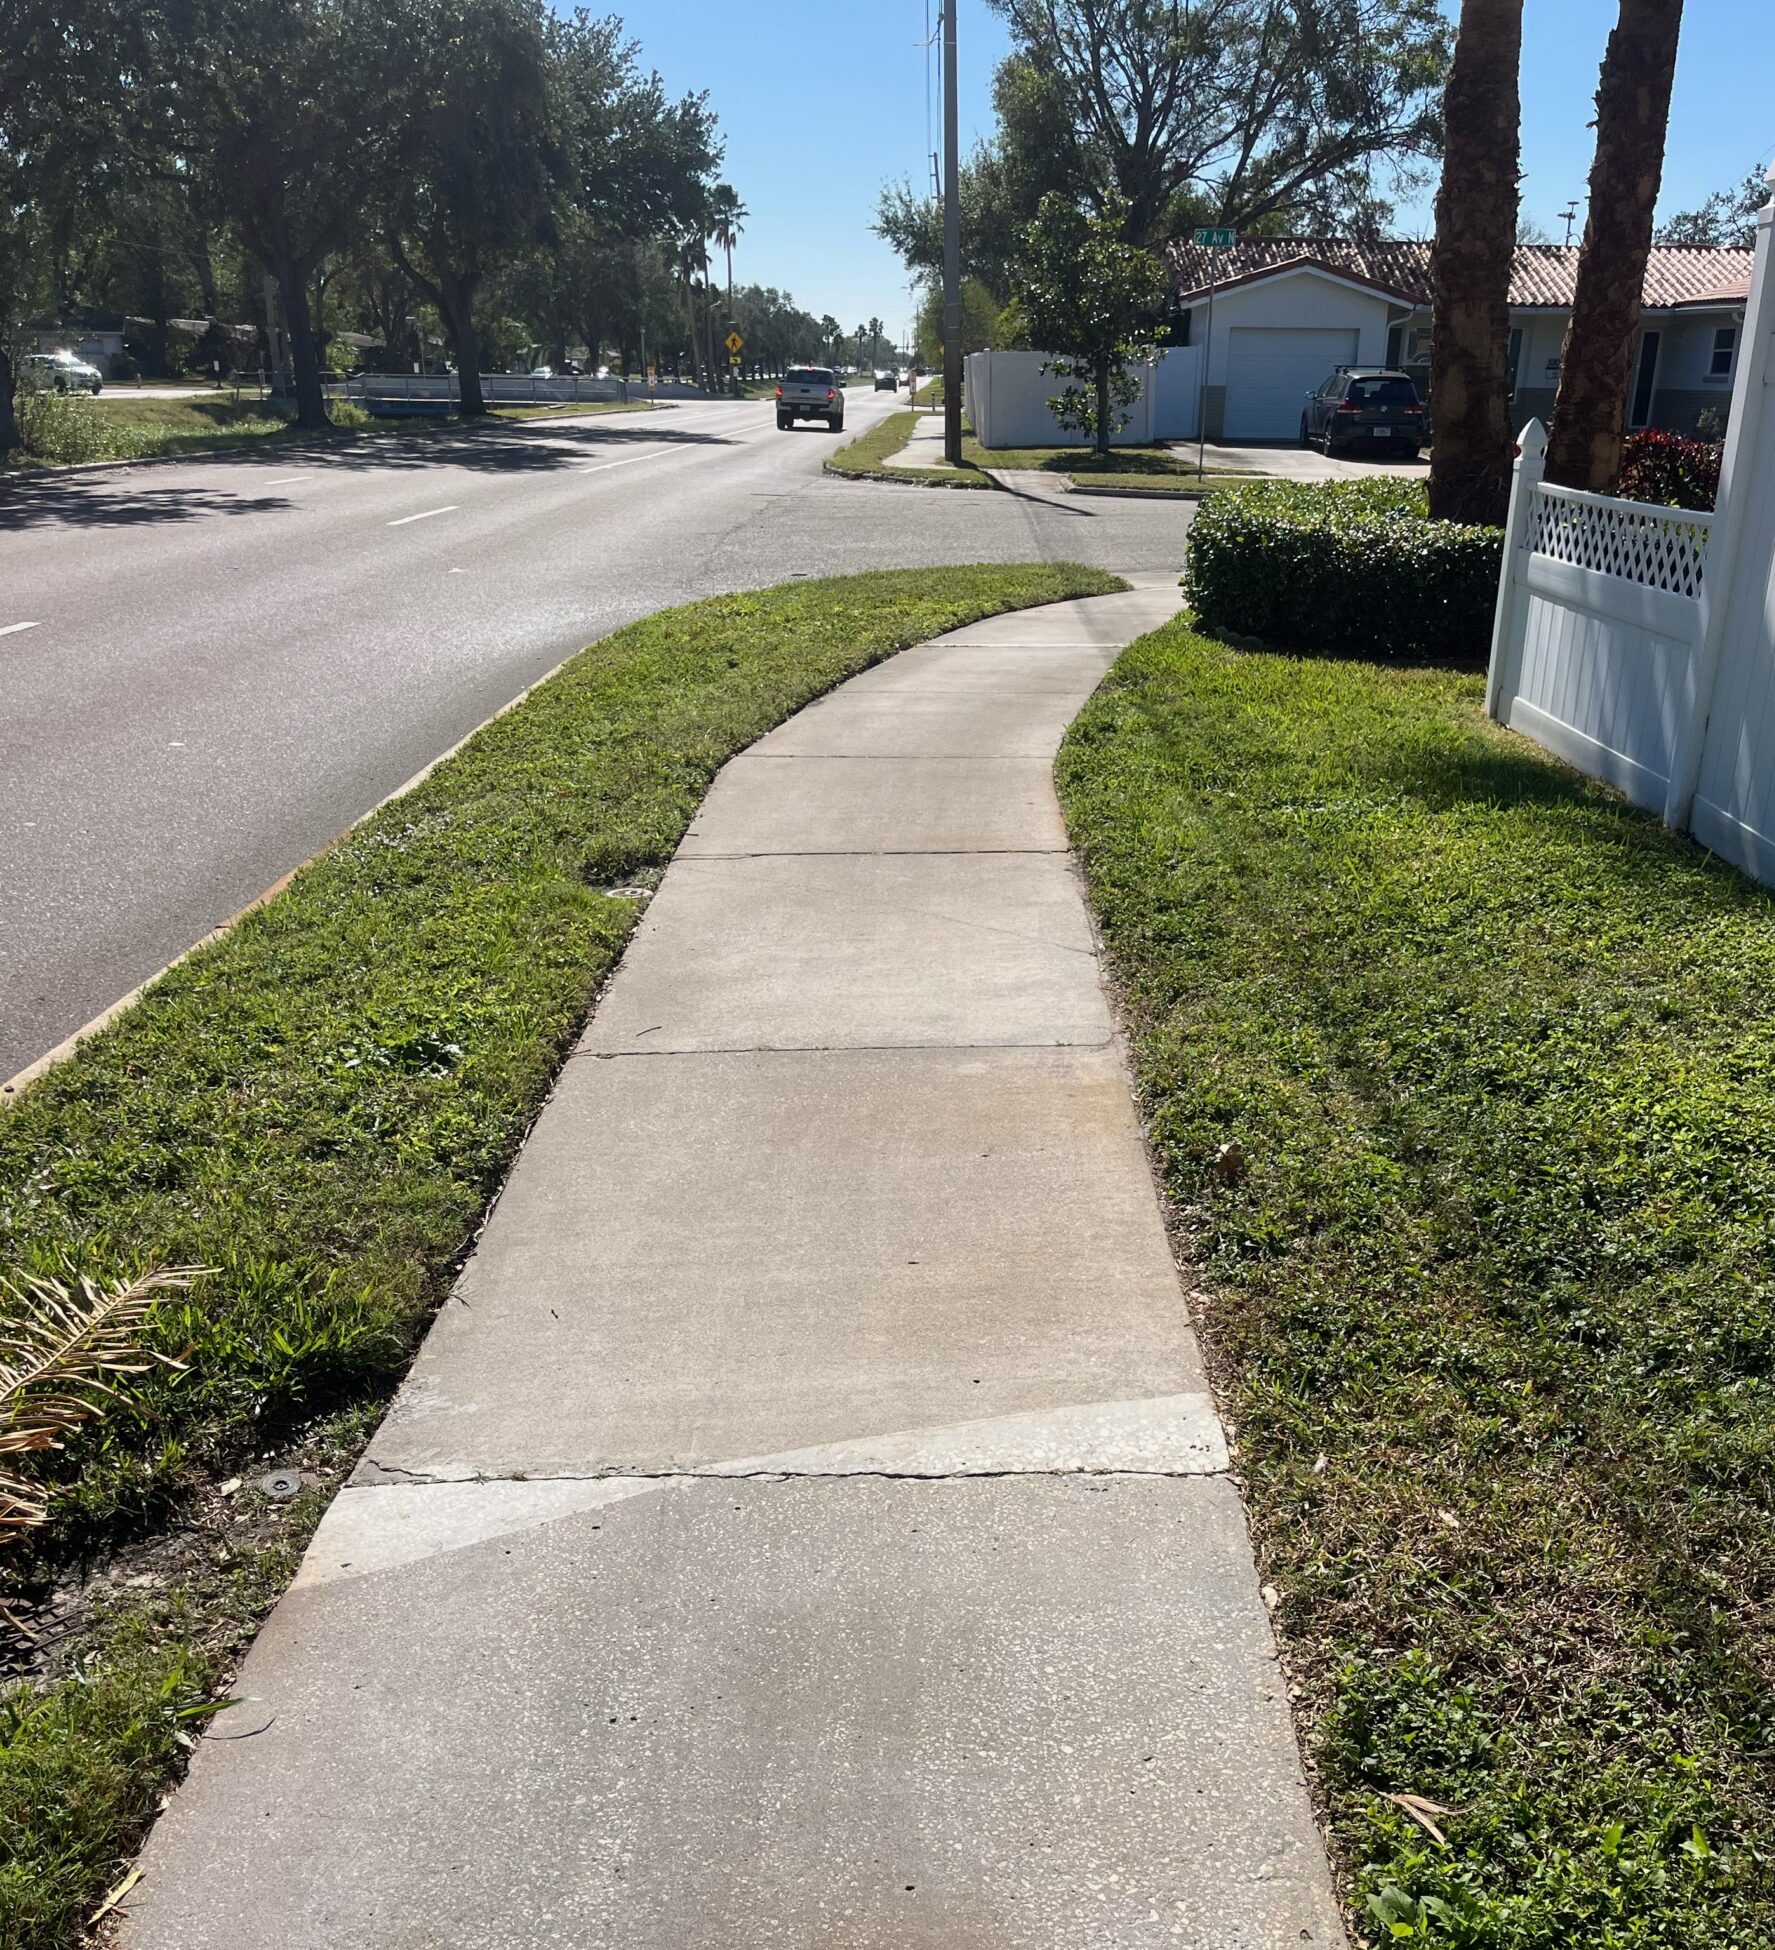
(59, 427)
(1351, 568)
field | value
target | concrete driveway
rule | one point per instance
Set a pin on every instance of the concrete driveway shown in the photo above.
(1296, 463)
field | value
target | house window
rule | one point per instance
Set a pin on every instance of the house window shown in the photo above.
(1394, 336)
(1725, 344)
(1513, 357)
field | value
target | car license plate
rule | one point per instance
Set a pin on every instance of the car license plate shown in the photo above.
(1382, 433)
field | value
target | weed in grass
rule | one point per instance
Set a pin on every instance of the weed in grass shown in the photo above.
(1491, 1303)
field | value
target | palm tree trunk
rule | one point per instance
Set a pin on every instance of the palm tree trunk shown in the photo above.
(1632, 113)
(1470, 266)
(709, 321)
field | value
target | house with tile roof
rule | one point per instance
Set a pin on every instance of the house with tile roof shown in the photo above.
(1287, 311)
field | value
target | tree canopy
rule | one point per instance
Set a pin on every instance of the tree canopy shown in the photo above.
(418, 179)
(1262, 114)
(1085, 294)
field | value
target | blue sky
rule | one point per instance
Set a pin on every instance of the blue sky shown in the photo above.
(809, 152)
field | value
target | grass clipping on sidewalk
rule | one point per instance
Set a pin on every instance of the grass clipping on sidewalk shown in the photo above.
(1490, 1296)
(319, 1107)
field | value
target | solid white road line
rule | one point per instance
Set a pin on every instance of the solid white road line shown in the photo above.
(287, 480)
(604, 466)
(12, 629)
(426, 516)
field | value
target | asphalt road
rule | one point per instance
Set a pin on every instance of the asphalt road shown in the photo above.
(211, 667)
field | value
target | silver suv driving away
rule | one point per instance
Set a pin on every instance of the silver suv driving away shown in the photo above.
(810, 393)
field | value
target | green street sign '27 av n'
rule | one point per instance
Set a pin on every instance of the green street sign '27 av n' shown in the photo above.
(1217, 240)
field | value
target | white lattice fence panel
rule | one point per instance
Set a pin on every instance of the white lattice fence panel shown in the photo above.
(1657, 548)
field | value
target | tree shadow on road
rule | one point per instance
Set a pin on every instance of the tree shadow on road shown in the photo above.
(106, 504)
(134, 497)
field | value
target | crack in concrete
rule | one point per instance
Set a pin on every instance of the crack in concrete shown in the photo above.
(836, 1049)
(717, 1473)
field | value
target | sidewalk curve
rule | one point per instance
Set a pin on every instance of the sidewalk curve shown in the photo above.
(807, 1526)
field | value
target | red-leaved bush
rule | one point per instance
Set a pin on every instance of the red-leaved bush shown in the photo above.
(1670, 468)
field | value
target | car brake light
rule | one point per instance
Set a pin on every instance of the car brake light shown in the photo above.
(779, 392)
(1348, 406)
(830, 394)
(1413, 408)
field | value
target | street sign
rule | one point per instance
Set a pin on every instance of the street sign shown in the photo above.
(735, 343)
(733, 358)
(1217, 240)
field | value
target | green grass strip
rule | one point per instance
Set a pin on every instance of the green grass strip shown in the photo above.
(866, 457)
(321, 1105)
(1491, 1302)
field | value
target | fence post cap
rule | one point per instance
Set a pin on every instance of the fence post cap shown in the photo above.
(1532, 439)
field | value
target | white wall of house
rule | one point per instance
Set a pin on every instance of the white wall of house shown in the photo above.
(1008, 394)
(101, 349)
(1275, 340)
(1276, 337)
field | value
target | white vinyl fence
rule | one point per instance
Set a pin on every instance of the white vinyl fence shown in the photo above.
(511, 387)
(1008, 394)
(1638, 642)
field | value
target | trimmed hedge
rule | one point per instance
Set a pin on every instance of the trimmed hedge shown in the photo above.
(1350, 568)
(1671, 469)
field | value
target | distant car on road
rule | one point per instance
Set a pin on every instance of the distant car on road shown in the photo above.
(810, 393)
(59, 372)
(1359, 407)
(886, 382)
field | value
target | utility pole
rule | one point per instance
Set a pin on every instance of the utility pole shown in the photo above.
(951, 247)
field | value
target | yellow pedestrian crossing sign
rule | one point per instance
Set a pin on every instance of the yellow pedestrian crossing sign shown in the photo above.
(734, 342)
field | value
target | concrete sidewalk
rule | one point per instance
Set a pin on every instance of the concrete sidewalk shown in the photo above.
(807, 1527)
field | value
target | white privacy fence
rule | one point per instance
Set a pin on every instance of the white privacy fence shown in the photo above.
(1638, 642)
(1008, 394)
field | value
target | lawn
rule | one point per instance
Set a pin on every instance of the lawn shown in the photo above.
(320, 1106)
(866, 458)
(1154, 470)
(1486, 1284)
(66, 430)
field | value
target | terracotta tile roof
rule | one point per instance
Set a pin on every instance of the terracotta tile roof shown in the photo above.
(1543, 274)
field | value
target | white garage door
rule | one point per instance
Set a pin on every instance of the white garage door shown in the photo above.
(1271, 369)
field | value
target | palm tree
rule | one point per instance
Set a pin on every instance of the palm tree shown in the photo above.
(1470, 266)
(1632, 111)
(686, 260)
(725, 228)
(728, 226)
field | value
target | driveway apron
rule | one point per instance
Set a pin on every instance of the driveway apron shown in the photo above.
(807, 1525)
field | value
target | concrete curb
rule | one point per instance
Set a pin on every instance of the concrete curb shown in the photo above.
(905, 478)
(13, 1088)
